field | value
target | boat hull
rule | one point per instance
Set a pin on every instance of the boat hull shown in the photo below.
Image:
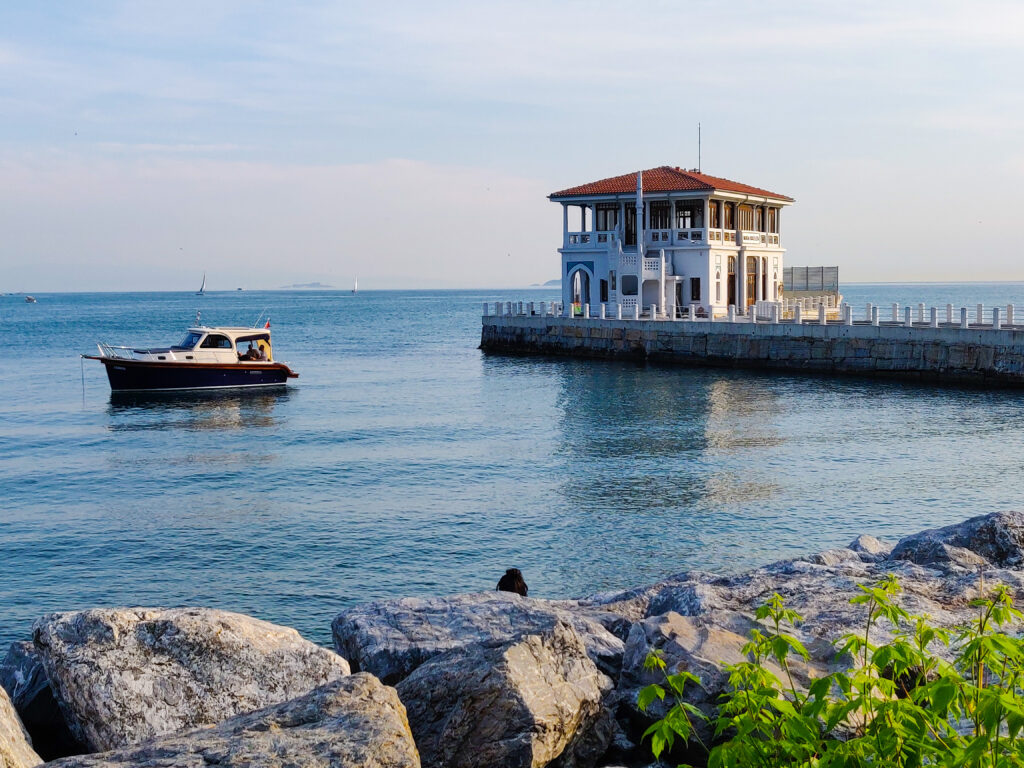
(141, 376)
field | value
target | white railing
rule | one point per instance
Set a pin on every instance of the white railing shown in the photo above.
(118, 353)
(812, 310)
(690, 236)
(652, 267)
(589, 239)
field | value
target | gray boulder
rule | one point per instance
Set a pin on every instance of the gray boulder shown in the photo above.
(516, 704)
(393, 637)
(23, 676)
(126, 675)
(15, 746)
(869, 548)
(996, 539)
(353, 722)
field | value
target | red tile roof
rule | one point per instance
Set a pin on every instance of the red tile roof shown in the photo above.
(665, 179)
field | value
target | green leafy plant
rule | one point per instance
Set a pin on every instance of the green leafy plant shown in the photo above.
(927, 697)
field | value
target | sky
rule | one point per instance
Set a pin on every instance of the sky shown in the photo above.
(412, 145)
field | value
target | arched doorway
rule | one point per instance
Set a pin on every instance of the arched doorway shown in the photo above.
(751, 280)
(580, 289)
(732, 281)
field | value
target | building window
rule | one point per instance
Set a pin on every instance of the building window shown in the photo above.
(611, 279)
(629, 285)
(718, 292)
(607, 217)
(773, 219)
(760, 218)
(730, 216)
(746, 217)
(689, 214)
(658, 215)
(694, 289)
(713, 217)
(604, 291)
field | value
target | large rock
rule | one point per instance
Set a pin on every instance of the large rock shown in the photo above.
(393, 637)
(353, 722)
(517, 704)
(996, 540)
(15, 746)
(703, 646)
(23, 676)
(126, 675)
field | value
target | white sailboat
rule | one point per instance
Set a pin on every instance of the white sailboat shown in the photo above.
(355, 285)
(202, 288)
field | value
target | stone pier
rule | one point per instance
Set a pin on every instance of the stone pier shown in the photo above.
(950, 354)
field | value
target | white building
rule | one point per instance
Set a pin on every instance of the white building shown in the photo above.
(670, 237)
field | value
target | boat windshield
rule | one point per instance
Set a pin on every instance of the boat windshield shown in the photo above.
(190, 340)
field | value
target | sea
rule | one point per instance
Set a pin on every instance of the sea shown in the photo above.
(405, 462)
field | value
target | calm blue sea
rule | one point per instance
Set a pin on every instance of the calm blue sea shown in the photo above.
(405, 462)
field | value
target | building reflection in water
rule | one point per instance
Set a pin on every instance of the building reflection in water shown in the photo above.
(214, 410)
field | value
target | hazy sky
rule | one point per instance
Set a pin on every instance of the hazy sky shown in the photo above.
(413, 144)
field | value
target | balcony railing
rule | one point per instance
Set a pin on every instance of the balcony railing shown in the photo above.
(589, 239)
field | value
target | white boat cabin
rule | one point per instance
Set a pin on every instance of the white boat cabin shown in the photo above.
(668, 237)
(205, 345)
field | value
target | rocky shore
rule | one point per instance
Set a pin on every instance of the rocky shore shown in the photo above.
(488, 679)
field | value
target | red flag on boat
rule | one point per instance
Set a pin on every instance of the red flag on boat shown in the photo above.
(268, 323)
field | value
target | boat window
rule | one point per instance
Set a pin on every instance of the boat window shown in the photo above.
(216, 341)
(190, 341)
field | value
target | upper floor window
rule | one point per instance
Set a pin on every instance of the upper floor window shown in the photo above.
(746, 217)
(773, 219)
(713, 217)
(759, 222)
(607, 217)
(689, 214)
(730, 216)
(659, 215)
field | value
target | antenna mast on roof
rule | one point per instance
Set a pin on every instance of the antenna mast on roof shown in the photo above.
(698, 148)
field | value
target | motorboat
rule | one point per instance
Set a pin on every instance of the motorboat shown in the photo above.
(207, 358)
(30, 299)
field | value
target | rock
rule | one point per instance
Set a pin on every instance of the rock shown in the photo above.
(511, 704)
(15, 746)
(834, 556)
(997, 539)
(352, 722)
(126, 675)
(23, 676)
(869, 548)
(393, 637)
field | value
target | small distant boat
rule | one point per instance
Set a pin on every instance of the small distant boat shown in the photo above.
(30, 299)
(355, 285)
(202, 288)
(238, 289)
(207, 358)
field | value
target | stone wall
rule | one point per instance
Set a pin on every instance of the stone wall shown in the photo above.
(942, 355)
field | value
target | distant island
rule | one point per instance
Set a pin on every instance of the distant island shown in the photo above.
(306, 285)
(549, 284)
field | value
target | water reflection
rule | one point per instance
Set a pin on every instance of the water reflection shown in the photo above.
(214, 410)
(654, 438)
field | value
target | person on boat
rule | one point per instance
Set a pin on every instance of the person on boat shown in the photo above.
(513, 581)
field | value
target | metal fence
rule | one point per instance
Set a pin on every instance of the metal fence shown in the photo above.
(810, 278)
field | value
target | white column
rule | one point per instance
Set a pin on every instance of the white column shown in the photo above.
(822, 314)
(586, 310)
(759, 276)
(934, 318)
(565, 225)
(963, 317)
(949, 313)
(798, 313)
(636, 310)
(732, 312)
(603, 311)
(979, 314)
(895, 312)
(741, 289)
(908, 317)
(996, 321)
(1009, 314)
(920, 312)
(874, 315)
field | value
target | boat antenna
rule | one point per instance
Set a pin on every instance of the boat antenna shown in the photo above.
(698, 148)
(257, 323)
